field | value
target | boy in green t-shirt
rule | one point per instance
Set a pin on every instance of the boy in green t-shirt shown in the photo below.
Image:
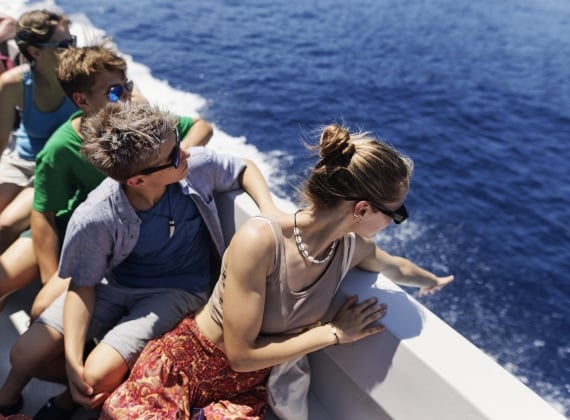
(91, 77)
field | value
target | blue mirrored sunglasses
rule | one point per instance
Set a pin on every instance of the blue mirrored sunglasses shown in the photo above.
(116, 91)
(174, 158)
(65, 44)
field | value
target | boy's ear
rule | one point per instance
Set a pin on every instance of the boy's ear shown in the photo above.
(136, 181)
(80, 99)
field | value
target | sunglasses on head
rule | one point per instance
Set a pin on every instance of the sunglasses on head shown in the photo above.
(65, 44)
(116, 91)
(174, 158)
(398, 215)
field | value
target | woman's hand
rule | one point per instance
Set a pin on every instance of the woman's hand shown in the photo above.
(353, 320)
(440, 283)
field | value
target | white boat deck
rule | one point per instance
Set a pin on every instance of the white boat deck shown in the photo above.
(13, 321)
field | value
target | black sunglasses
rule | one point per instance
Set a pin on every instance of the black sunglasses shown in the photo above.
(398, 215)
(115, 92)
(174, 158)
(65, 44)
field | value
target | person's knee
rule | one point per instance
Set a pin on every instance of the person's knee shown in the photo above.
(15, 217)
(22, 356)
(104, 369)
(35, 348)
(18, 356)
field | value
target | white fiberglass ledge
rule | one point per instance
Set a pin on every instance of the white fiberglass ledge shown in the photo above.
(419, 368)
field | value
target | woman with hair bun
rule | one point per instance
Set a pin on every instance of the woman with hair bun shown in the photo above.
(278, 277)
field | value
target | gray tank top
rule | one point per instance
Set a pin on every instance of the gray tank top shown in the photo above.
(286, 310)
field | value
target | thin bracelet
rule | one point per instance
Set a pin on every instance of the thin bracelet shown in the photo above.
(334, 331)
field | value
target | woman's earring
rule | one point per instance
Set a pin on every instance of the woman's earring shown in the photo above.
(358, 217)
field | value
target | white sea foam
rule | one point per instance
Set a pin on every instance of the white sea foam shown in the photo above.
(12, 7)
(161, 93)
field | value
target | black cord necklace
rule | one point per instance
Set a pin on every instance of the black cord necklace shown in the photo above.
(154, 212)
(171, 222)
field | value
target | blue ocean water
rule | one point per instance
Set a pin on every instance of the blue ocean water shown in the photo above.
(477, 93)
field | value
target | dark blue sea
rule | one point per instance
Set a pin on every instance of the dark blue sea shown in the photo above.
(476, 92)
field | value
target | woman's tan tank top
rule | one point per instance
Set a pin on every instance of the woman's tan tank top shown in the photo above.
(286, 310)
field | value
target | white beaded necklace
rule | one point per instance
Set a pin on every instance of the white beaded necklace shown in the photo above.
(302, 249)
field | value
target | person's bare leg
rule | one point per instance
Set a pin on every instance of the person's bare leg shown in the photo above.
(47, 294)
(12, 387)
(7, 193)
(15, 216)
(105, 369)
(35, 353)
(55, 372)
(18, 266)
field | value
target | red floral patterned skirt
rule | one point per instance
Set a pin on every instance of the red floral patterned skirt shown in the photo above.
(184, 373)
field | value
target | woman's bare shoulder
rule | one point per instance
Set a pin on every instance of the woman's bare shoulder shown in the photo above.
(258, 230)
(14, 75)
(11, 83)
(255, 241)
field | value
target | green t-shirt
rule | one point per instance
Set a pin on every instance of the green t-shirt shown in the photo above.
(63, 177)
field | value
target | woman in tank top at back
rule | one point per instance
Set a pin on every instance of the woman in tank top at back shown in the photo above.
(33, 103)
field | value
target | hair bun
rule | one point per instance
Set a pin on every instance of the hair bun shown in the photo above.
(335, 146)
